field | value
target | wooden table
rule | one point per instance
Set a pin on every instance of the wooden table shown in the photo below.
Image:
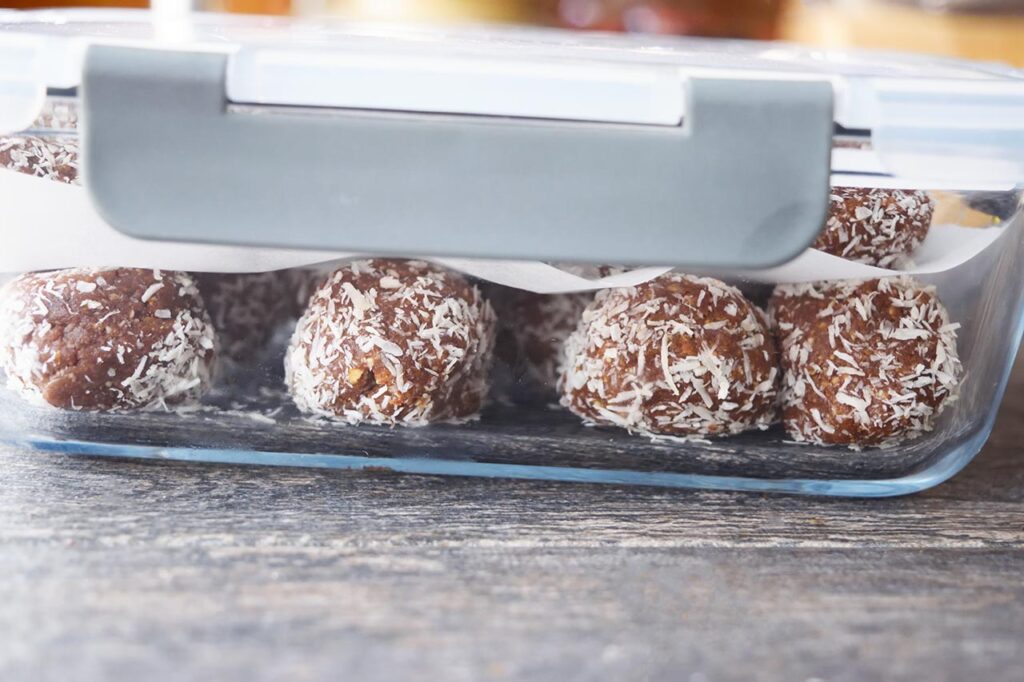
(118, 570)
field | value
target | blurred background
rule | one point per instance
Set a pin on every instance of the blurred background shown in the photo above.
(978, 29)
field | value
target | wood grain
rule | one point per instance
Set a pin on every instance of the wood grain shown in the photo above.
(159, 570)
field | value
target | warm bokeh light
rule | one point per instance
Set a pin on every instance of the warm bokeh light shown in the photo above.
(990, 36)
(39, 4)
(929, 27)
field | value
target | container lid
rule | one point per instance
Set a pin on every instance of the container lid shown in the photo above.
(570, 130)
(477, 69)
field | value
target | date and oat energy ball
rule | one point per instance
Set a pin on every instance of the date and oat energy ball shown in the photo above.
(104, 339)
(865, 363)
(678, 356)
(540, 324)
(49, 157)
(53, 155)
(532, 329)
(879, 227)
(248, 308)
(392, 342)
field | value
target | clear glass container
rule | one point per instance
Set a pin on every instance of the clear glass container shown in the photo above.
(966, 156)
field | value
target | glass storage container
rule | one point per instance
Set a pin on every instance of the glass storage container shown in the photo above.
(266, 156)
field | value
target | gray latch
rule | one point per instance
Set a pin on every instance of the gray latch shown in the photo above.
(743, 183)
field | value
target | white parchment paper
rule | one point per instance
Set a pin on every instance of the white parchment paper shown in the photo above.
(50, 225)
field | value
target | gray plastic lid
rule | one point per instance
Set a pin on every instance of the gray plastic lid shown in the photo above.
(493, 142)
(737, 185)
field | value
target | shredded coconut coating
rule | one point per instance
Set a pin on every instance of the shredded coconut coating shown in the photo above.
(879, 227)
(865, 363)
(678, 356)
(247, 308)
(59, 113)
(51, 157)
(532, 328)
(540, 324)
(106, 339)
(50, 149)
(392, 342)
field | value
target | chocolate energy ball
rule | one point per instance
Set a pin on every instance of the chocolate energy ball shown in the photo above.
(541, 324)
(248, 308)
(102, 339)
(875, 226)
(392, 342)
(50, 157)
(679, 356)
(532, 328)
(535, 326)
(864, 362)
(58, 114)
(53, 151)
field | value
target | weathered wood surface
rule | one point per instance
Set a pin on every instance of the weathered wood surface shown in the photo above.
(118, 570)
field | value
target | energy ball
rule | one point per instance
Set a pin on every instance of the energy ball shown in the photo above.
(54, 156)
(678, 356)
(864, 362)
(879, 227)
(248, 308)
(533, 330)
(49, 157)
(392, 342)
(58, 113)
(535, 326)
(105, 339)
(543, 323)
